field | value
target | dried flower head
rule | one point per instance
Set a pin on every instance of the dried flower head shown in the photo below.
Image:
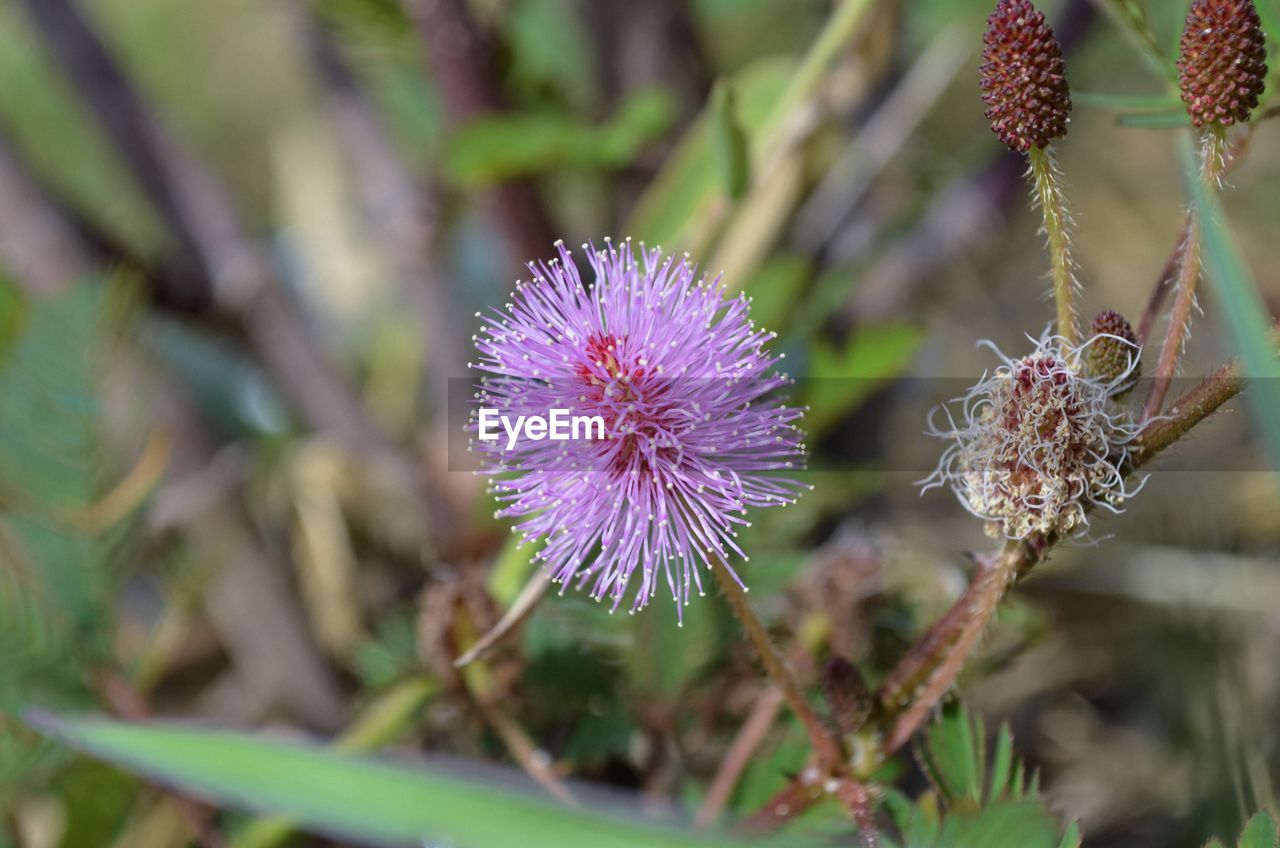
(1041, 443)
(1023, 82)
(694, 434)
(1114, 352)
(1222, 66)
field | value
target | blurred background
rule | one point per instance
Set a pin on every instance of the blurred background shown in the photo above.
(241, 245)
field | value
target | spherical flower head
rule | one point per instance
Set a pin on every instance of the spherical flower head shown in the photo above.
(692, 432)
(1022, 76)
(1222, 67)
(1041, 442)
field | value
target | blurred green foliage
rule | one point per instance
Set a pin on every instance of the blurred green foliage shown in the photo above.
(629, 701)
(58, 569)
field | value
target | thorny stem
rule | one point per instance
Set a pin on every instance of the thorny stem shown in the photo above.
(932, 665)
(1057, 222)
(1235, 154)
(1212, 392)
(825, 747)
(1212, 162)
(996, 573)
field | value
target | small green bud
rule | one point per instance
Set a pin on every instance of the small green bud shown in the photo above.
(1112, 354)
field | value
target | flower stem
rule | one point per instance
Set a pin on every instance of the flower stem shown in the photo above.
(996, 573)
(1212, 165)
(825, 747)
(1235, 154)
(1052, 202)
(1220, 386)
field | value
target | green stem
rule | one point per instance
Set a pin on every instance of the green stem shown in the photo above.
(834, 37)
(1053, 203)
(1212, 166)
(825, 747)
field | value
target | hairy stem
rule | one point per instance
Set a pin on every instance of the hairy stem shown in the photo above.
(922, 677)
(996, 572)
(1057, 221)
(825, 747)
(1213, 158)
(1222, 384)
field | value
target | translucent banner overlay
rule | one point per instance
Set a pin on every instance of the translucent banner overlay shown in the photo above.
(849, 424)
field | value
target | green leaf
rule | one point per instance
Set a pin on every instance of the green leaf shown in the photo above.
(919, 822)
(1165, 102)
(689, 178)
(731, 141)
(1002, 762)
(1132, 17)
(1072, 838)
(1259, 832)
(377, 803)
(1003, 824)
(769, 772)
(775, 289)
(1269, 12)
(954, 755)
(511, 570)
(55, 573)
(379, 725)
(1242, 306)
(841, 380)
(12, 314)
(1164, 119)
(501, 147)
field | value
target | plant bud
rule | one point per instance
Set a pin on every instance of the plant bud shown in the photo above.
(1222, 67)
(847, 695)
(1023, 84)
(1112, 354)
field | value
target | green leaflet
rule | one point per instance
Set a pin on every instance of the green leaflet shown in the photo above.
(378, 803)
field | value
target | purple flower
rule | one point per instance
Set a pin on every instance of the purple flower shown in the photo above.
(677, 376)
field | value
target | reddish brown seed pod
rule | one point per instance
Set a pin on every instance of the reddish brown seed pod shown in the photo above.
(1222, 65)
(1023, 83)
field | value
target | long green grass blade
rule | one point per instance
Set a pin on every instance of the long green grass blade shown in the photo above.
(375, 802)
(1242, 306)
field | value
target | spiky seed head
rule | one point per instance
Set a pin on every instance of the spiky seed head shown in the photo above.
(1023, 81)
(1222, 67)
(1039, 445)
(1112, 354)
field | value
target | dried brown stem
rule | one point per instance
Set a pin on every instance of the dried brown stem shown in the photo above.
(220, 265)
(479, 683)
(462, 64)
(792, 800)
(825, 747)
(906, 677)
(36, 238)
(996, 573)
(1169, 274)
(764, 712)
(1212, 167)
